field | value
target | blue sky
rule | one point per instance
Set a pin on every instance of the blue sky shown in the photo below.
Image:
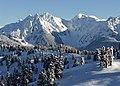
(13, 10)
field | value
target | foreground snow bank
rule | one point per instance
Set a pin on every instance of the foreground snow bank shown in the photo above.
(92, 75)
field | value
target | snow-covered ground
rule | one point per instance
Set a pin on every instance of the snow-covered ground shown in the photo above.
(89, 74)
(92, 75)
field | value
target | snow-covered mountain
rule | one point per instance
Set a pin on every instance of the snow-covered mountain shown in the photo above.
(35, 30)
(83, 30)
(47, 29)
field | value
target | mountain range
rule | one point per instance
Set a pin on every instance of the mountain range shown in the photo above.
(82, 31)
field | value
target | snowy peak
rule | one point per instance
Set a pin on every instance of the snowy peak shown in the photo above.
(49, 18)
(80, 15)
(29, 17)
(46, 15)
(52, 23)
(88, 17)
(36, 16)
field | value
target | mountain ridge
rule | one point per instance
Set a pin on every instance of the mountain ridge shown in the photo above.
(47, 29)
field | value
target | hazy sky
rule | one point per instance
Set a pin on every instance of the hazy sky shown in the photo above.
(13, 10)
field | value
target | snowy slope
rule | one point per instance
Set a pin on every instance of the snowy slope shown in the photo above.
(92, 75)
(46, 29)
(6, 41)
(1, 26)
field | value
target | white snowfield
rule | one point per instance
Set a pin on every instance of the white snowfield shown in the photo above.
(92, 75)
